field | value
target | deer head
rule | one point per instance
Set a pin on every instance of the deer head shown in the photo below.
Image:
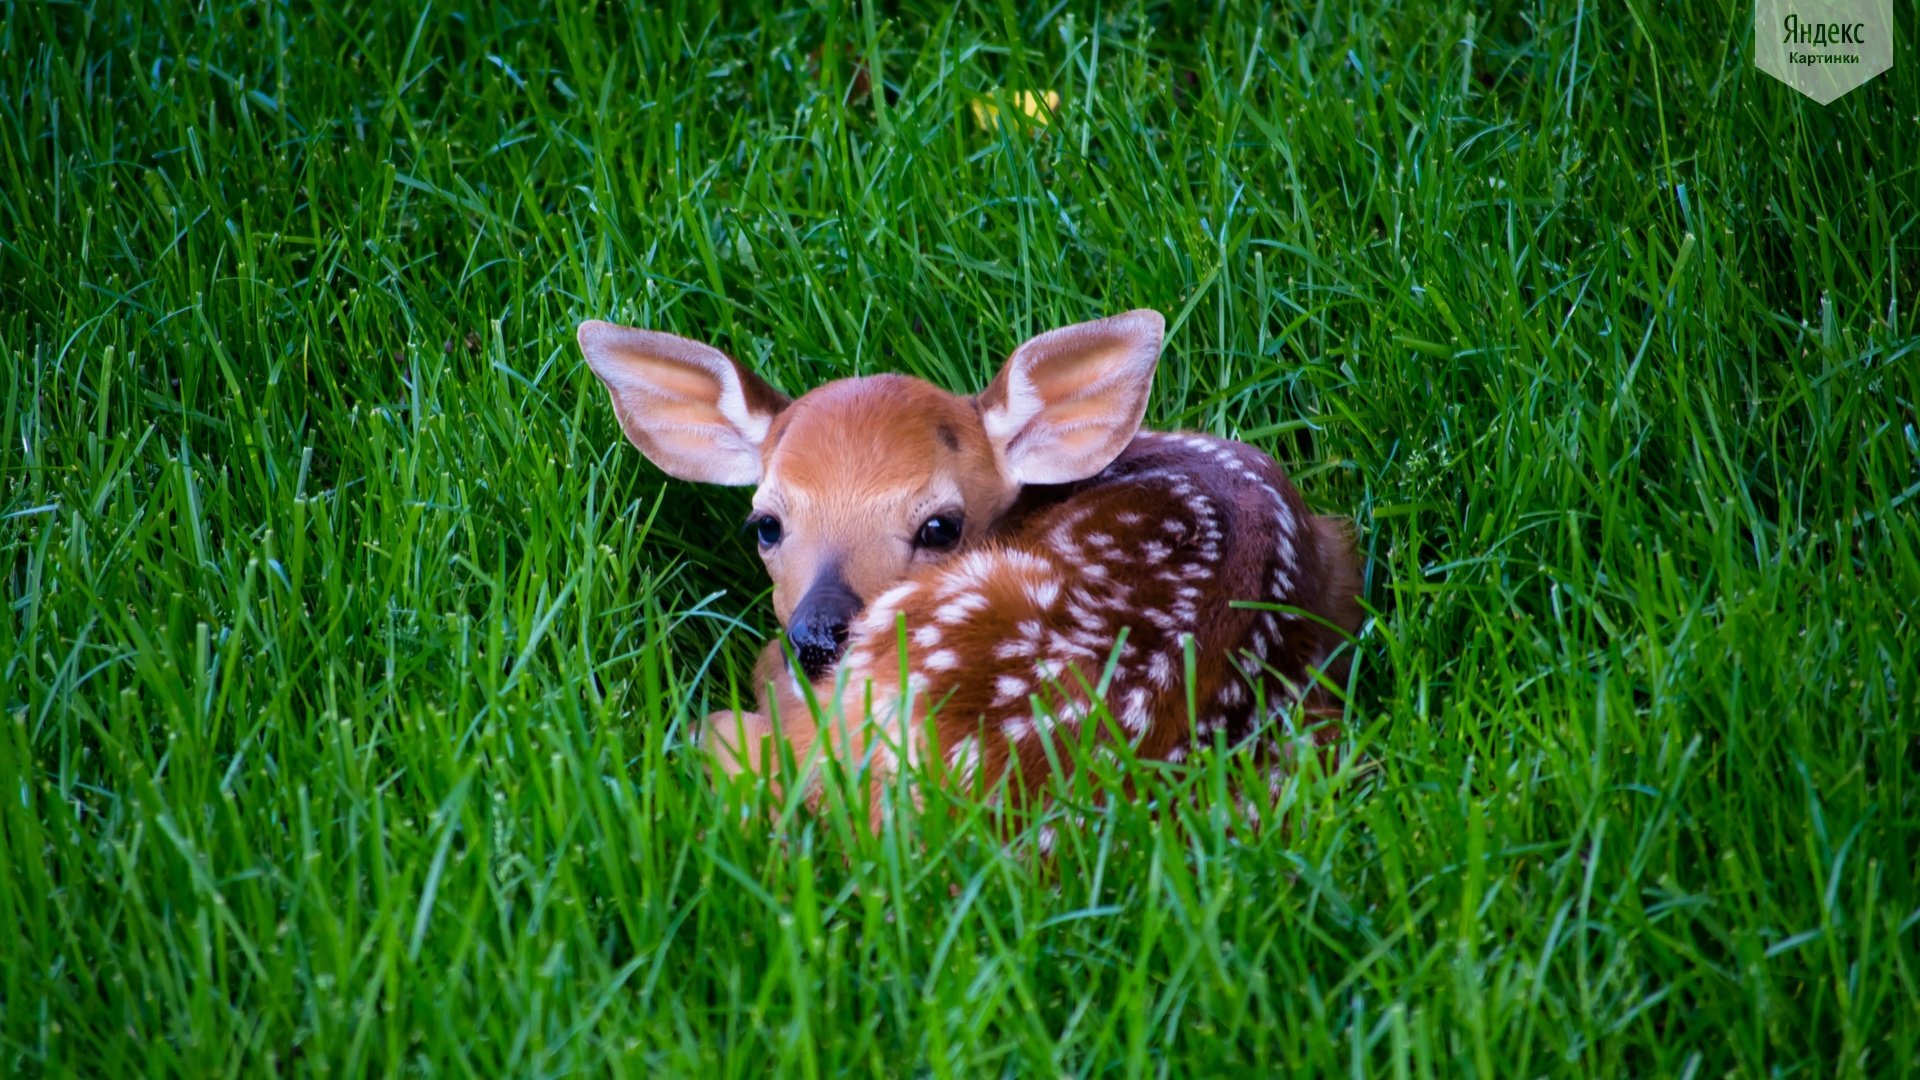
(864, 480)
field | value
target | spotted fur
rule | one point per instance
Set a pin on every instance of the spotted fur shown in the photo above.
(1008, 640)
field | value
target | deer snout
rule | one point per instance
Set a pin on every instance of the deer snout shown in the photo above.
(820, 622)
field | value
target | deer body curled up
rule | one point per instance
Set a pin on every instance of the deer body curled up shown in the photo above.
(976, 559)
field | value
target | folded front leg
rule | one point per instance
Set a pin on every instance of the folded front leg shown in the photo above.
(753, 742)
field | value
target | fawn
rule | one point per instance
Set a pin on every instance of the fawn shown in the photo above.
(1005, 540)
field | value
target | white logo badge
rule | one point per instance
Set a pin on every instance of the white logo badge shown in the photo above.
(1823, 48)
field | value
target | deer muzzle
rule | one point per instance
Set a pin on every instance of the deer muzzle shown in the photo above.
(819, 626)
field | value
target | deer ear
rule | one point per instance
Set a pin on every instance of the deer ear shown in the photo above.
(687, 406)
(1067, 402)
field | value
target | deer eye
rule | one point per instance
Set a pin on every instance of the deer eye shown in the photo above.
(766, 529)
(939, 531)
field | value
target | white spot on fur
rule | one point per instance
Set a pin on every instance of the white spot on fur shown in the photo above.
(1026, 562)
(1063, 647)
(964, 758)
(1043, 592)
(1091, 644)
(1088, 619)
(1289, 557)
(960, 607)
(962, 579)
(1009, 688)
(944, 660)
(1135, 717)
(878, 619)
(1013, 649)
(976, 569)
(1282, 580)
(927, 637)
(892, 598)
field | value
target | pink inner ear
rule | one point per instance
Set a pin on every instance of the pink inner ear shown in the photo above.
(681, 382)
(1061, 378)
(1088, 445)
(683, 404)
(1073, 414)
(1070, 400)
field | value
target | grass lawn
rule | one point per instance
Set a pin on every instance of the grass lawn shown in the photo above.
(351, 659)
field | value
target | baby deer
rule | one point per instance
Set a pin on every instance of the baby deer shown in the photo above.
(1004, 542)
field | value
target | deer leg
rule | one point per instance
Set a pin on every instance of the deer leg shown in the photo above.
(753, 742)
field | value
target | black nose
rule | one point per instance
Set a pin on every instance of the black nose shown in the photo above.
(818, 628)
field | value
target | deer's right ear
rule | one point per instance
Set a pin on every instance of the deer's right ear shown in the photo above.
(687, 406)
(1067, 403)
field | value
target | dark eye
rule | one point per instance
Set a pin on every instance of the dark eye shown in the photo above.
(766, 529)
(940, 531)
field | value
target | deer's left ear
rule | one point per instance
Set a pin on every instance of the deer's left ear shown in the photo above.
(689, 407)
(1067, 402)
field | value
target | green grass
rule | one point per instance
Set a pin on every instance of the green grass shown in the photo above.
(350, 656)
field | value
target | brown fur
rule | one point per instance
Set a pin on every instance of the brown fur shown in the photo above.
(854, 467)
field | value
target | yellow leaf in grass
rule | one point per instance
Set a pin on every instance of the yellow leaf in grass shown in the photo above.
(1027, 105)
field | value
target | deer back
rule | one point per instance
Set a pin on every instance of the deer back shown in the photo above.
(1137, 569)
